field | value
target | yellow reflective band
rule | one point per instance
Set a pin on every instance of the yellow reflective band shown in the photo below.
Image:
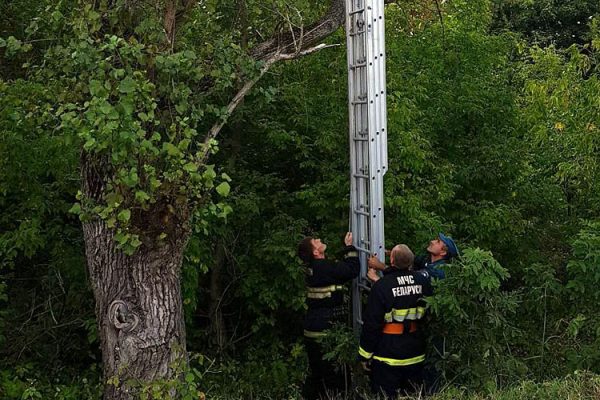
(324, 289)
(406, 313)
(322, 292)
(318, 295)
(399, 363)
(352, 254)
(313, 335)
(399, 315)
(364, 353)
(388, 317)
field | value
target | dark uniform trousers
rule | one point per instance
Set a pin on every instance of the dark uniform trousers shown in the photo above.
(325, 380)
(432, 373)
(392, 381)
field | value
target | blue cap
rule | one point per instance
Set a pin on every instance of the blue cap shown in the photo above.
(452, 248)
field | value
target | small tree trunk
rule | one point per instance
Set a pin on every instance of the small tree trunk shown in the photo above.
(217, 323)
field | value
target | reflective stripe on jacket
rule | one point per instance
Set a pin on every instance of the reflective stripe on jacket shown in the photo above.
(398, 297)
(325, 289)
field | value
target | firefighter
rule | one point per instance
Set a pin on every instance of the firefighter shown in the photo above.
(392, 342)
(325, 301)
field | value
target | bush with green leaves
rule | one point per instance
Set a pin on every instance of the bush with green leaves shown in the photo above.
(476, 322)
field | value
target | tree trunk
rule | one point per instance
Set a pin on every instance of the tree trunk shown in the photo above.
(138, 304)
(217, 323)
(138, 309)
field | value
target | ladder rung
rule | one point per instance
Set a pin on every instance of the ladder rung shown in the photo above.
(364, 287)
(361, 212)
(359, 102)
(361, 139)
(356, 11)
(361, 65)
(357, 33)
(361, 176)
(363, 250)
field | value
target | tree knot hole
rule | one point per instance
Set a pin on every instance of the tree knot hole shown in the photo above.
(122, 317)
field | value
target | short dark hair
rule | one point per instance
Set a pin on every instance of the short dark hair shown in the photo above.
(403, 256)
(305, 249)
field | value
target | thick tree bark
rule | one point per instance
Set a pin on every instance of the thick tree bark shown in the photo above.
(138, 303)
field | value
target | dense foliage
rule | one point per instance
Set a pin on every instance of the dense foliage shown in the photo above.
(494, 120)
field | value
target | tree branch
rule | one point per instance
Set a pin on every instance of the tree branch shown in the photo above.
(175, 12)
(216, 128)
(284, 41)
(285, 45)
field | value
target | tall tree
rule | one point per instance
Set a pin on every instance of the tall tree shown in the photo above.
(146, 87)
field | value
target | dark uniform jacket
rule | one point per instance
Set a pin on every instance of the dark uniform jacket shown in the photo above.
(325, 291)
(434, 269)
(396, 299)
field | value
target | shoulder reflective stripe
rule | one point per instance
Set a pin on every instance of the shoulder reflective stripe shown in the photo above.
(364, 353)
(399, 363)
(313, 335)
(318, 295)
(352, 254)
(420, 312)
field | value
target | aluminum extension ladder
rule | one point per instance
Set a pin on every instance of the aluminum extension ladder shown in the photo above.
(365, 38)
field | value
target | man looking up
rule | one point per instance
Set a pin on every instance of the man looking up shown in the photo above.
(440, 250)
(392, 342)
(325, 301)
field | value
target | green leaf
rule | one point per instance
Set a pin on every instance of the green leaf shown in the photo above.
(127, 85)
(225, 177)
(171, 149)
(132, 178)
(141, 196)
(190, 167)
(121, 238)
(128, 106)
(124, 215)
(223, 189)
(76, 209)
(96, 88)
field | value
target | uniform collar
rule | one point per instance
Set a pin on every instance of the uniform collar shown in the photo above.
(433, 264)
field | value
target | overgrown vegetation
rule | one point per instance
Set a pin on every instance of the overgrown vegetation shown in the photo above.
(494, 124)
